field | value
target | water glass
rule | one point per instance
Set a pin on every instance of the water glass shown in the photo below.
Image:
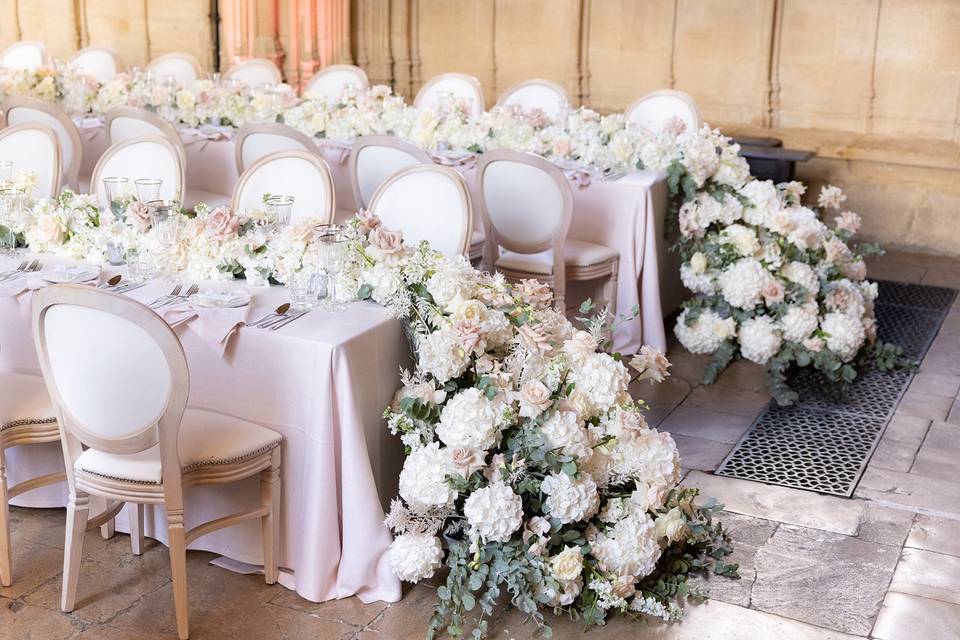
(148, 189)
(117, 189)
(303, 290)
(280, 208)
(165, 220)
(6, 171)
(139, 267)
(116, 249)
(331, 251)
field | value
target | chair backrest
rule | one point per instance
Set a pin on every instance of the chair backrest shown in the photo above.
(255, 72)
(655, 110)
(23, 55)
(541, 94)
(525, 201)
(253, 141)
(182, 66)
(100, 62)
(457, 85)
(22, 110)
(116, 374)
(330, 81)
(143, 157)
(124, 123)
(427, 202)
(301, 174)
(375, 158)
(33, 147)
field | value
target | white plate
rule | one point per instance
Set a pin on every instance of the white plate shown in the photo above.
(220, 299)
(71, 275)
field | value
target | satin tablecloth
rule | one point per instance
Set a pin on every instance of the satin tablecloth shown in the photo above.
(627, 215)
(322, 382)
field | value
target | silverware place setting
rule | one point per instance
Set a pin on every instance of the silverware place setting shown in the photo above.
(279, 317)
(174, 296)
(24, 268)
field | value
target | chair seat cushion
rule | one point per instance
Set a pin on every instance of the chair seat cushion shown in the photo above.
(24, 400)
(206, 439)
(575, 253)
(193, 197)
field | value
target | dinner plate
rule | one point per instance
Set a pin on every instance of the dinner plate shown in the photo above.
(220, 299)
(71, 275)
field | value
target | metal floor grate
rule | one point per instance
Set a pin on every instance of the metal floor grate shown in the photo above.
(823, 443)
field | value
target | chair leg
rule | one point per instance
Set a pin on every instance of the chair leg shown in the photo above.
(610, 290)
(99, 505)
(78, 509)
(270, 523)
(6, 553)
(178, 570)
(135, 514)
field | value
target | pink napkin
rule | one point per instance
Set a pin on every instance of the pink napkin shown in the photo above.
(581, 177)
(341, 148)
(467, 161)
(215, 326)
(22, 288)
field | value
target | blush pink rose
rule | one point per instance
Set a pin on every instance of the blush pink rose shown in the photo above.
(386, 245)
(368, 220)
(138, 214)
(223, 224)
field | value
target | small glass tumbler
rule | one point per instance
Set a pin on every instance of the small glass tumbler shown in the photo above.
(148, 189)
(116, 188)
(165, 220)
(280, 208)
(303, 291)
(6, 172)
(115, 250)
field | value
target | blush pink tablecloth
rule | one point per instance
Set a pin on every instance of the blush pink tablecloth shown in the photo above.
(627, 215)
(322, 382)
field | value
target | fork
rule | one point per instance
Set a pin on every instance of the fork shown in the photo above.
(192, 289)
(7, 274)
(287, 320)
(36, 265)
(176, 291)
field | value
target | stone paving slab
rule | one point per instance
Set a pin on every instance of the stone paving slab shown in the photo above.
(935, 534)
(910, 490)
(907, 617)
(939, 457)
(700, 454)
(706, 424)
(928, 574)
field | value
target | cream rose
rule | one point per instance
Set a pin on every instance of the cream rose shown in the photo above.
(466, 460)
(534, 399)
(51, 229)
(567, 565)
(671, 525)
(698, 262)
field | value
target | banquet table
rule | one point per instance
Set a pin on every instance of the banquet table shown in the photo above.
(626, 214)
(322, 382)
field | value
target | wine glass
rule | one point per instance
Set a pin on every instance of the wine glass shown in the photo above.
(165, 221)
(148, 189)
(280, 208)
(331, 251)
(116, 188)
(8, 239)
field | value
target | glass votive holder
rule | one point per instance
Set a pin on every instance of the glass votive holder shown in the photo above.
(116, 190)
(116, 251)
(280, 209)
(148, 189)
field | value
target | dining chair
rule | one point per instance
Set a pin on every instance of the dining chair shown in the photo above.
(427, 202)
(454, 86)
(375, 158)
(537, 93)
(151, 156)
(656, 109)
(103, 63)
(526, 205)
(255, 72)
(301, 174)
(24, 110)
(33, 147)
(26, 418)
(330, 82)
(23, 55)
(182, 66)
(119, 381)
(253, 141)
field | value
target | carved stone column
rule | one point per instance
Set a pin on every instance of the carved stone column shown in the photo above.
(372, 29)
(333, 32)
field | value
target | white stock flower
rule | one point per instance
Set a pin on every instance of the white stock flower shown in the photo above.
(470, 419)
(562, 431)
(830, 197)
(706, 333)
(742, 283)
(415, 556)
(845, 334)
(759, 339)
(569, 500)
(423, 481)
(494, 512)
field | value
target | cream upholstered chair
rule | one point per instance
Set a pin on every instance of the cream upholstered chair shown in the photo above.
(541, 94)
(23, 55)
(330, 81)
(375, 158)
(255, 72)
(656, 109)
(301, 174)
(455, 85)
(182, 66)
(34, 148)
(100, 62)
(31, 110)
(119, 381)
(427, 202)
(143, 157)
(526, 204)
(253, 141)
(26, 417)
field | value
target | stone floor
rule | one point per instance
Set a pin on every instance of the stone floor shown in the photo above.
(884, 565)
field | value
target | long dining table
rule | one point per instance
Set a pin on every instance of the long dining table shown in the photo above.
(322, 382)
(627, 214)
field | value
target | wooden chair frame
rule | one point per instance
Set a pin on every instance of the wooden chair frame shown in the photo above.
(256, 62)
(679, 95)
(272, 128)
(479, 101)
(177, 55)
(455, 177)
(117, 61)
(392, 142)
(57, 155)
(502, 100)
(32, 43)
(165, 432)
(333, 68)
(314, 158)
(70, 175)
(169, 131)
(162, 140)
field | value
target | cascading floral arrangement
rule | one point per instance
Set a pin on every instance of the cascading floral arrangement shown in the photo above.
(530, 471)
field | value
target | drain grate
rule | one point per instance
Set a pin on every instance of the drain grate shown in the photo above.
(823, 443)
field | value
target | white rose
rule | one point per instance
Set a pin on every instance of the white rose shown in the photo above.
(671, 525)
(698, 262)
(534, 399)
(567, 565)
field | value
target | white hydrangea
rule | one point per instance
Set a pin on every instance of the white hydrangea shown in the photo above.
(423, 480)
(742, 283)
(650, 457)
(706, 333)
(441, 355)
(563, 431)
(845, 334)
(494, 512)
(799, 322)
(698, 282)
(700, 157)
(630, 547)
(415, 556)
(470, 420)
(803, 275)
(601, 381)
(568, 499)
(765, 199)
(744, 239)
(759, 339)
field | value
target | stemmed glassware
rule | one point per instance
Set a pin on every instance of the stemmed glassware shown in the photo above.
(9, 201)
(279, 208)
(6, 172)
(331, 251)
(165, 221)
(148, 189)
(116, 188)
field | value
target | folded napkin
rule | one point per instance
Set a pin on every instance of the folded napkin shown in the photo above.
(582, 177)
(204, 135)
(456, 160)
(215, 326)
(22, 288)
(340, 147)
